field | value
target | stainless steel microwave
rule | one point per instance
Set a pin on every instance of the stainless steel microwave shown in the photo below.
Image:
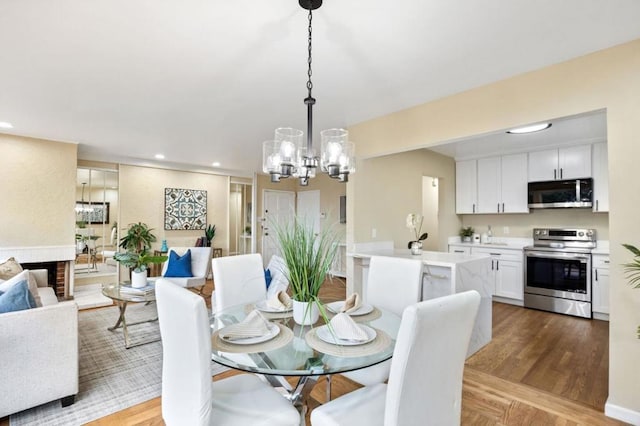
(570, 193)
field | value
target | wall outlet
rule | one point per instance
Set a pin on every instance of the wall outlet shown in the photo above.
(374, 232)
(505, 230)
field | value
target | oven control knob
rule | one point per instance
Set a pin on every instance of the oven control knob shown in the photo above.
(590, 233)
(580, 234)
(537, 232)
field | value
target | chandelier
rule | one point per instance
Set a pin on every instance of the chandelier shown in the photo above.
(287, 155)
(81, 208)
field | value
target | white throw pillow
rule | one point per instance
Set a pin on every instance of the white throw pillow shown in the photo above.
(23, 276)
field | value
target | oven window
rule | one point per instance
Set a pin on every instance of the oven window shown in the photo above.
(557, 274)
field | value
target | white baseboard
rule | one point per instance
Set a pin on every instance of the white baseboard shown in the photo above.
(621, 413)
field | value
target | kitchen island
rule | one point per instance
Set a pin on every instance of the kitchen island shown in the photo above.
(443, 274)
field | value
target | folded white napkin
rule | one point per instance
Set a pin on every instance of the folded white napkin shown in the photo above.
(254, 325)
(280, 301)
(345, 328)
(351, 304)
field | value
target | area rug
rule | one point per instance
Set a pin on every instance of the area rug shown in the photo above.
(112, 378)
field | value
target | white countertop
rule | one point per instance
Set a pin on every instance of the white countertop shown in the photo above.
(497, 243)
(431, 258)
(602, 247)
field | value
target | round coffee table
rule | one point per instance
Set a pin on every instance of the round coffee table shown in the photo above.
(123, 294)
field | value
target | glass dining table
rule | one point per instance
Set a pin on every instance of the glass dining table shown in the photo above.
(305, 352)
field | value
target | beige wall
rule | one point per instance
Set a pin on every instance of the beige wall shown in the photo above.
(142, 200)
(608, 79)
(385, 189)
(38, 179)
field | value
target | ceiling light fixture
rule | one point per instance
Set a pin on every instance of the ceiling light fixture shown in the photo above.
(216, 164)
(159, 157)
(529, 129)
(5, 125)
(287, 156)
(81, 208)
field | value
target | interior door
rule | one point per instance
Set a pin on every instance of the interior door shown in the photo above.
(308, 208)
(278, 209)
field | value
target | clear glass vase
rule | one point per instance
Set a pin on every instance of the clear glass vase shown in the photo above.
(416, 248)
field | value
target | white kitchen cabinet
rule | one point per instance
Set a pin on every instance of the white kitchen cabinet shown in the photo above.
(501, 184)
(507, 272)
(466, 187)
(563, 163)
(600, 286)
(600, 178)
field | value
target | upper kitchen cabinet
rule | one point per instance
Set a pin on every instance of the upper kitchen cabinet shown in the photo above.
(466, 187)
(502, 184)
(600, 178)
(563, 163)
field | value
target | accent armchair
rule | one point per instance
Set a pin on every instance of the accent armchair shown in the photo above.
(200, 257)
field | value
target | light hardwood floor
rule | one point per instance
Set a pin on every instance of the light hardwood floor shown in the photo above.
(539, 369)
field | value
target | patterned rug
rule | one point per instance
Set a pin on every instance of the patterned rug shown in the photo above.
(112, 378)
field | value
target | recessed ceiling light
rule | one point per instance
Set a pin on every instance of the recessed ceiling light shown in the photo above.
(529, 129)
(216, 164)
(159, 156)
(5, 125)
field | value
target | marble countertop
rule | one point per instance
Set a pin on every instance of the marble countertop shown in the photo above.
(431, 258)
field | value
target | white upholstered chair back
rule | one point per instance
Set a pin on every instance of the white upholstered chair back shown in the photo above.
(394, 283)
(279, 273)
(186, 363)
(425, 382)
(200, 257)
(238, 279)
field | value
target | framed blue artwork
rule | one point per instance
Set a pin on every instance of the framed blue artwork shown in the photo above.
(185, 209)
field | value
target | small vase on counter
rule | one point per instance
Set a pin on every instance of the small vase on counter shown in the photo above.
(416, 248)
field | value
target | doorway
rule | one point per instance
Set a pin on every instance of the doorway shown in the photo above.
(430, 210)
(240, 217)
(278, 210)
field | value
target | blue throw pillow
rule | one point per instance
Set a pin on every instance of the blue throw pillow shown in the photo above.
(179, 266)
(267, 277)
(17, 298)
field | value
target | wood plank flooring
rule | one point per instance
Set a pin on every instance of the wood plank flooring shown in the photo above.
(540, 368)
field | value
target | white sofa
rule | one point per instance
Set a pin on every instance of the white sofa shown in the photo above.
(39, 352)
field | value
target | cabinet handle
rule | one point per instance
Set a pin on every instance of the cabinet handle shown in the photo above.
(596, 275)
(498, 207)
(474, 207)
(492, 264)
(497, 265)
(607, 261)
(560, 173)
(554, 174)
(458, 251)
(495, 254)
(502, 207)
(597, 205)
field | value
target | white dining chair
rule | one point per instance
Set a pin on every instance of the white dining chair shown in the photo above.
(238, 279)
(279, 273)
(189, 397)
(393, 284)
(425, 382)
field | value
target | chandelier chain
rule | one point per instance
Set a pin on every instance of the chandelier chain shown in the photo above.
(309, 73)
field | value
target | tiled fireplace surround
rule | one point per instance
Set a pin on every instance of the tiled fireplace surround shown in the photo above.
(58, 260)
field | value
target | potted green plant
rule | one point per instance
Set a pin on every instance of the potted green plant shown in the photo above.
(137, 244)
(308, 256)
(632, 269)
(466, 233)
(210, 233)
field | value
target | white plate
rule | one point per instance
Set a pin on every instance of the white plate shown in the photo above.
(262, 306)
(325, 335)
(364, 309)
(274, 330)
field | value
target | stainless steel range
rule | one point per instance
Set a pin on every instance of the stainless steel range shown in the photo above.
(557, 271)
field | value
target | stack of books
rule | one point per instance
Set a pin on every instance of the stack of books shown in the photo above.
(149, 288)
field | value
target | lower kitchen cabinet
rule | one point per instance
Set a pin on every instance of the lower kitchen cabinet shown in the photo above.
(600, 286)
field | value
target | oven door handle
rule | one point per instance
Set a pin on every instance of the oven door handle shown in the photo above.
(583, 258)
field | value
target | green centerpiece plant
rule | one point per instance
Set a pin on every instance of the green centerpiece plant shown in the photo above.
(308, 256)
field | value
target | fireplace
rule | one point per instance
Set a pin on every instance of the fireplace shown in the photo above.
(55, 274)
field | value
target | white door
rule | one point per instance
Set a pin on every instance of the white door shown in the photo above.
(278, 209)
(308, 208)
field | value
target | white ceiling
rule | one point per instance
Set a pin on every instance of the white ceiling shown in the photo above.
(581, 129)
(204, 81)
